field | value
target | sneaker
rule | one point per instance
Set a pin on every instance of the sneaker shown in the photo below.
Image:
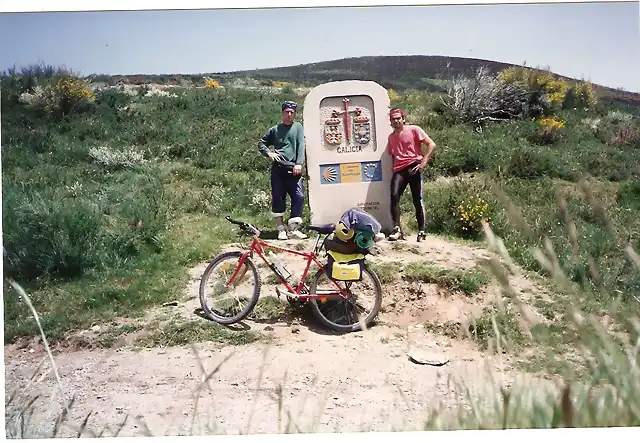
(298, 235)
(421, 236)
(396, 234)
(282, 235)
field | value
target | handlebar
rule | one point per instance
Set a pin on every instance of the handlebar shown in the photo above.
(244, 226)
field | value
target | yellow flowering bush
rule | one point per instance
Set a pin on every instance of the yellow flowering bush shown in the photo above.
(72, 91)
(549, 130)
(75, 89)
(553, 87)
(279, 84)
(551, 123)
(211, 83)
(394, 97)
(470, 215)
(582, 94)
(60, 97)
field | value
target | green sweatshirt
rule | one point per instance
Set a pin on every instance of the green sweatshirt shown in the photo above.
(286, 140)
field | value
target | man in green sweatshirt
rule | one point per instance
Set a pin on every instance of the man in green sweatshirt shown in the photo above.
(287, 159)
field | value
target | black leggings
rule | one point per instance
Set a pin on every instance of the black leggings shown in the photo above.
(399, 183)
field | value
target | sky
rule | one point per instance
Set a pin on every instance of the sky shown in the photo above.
(596, 41)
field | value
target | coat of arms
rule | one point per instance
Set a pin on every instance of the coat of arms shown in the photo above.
(332, 132)
(361, 128)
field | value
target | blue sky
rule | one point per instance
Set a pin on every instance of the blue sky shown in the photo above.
(597, 41)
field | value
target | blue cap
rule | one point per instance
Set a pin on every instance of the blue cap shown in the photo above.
(289, 105)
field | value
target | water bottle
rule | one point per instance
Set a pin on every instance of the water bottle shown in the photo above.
(280, 267)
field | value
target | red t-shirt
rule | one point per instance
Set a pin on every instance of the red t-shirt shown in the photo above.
(406, 147)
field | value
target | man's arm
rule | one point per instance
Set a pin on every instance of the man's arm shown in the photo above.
(265, 142)
(300, 157)
(431, 146)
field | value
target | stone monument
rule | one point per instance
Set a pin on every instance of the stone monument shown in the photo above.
(346, 125)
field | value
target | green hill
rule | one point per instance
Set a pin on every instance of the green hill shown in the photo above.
(425, 72)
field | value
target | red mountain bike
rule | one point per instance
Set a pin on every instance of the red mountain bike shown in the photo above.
(324, 298)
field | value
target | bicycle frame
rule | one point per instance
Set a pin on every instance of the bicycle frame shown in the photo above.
(258, 247)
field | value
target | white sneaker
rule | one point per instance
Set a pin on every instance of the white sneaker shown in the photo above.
(298, 235)
(282, 235)
(396, 234)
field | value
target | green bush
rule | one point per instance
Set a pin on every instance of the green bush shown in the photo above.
(48, 236)
(65, 232)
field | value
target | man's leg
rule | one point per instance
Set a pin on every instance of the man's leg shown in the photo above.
(415, 184)
(295, 189)
(278, 202)
(398, 185)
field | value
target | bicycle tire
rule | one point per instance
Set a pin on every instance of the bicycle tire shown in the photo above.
(356, 326)
(254, 298)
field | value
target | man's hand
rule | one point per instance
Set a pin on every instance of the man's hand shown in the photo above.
(297, 170)
(420, 166)
(274, 156)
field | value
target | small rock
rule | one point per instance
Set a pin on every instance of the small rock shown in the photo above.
(295, 329)
(95, 329)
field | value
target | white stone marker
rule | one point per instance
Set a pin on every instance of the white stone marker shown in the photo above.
(346, 125)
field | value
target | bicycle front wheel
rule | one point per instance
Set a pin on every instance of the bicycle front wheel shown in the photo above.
(347, 314)
(230, 285)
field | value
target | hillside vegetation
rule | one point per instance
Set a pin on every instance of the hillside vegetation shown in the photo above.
(424, 72)
(110, 193)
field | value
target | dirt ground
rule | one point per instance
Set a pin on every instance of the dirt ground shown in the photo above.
(302, 377)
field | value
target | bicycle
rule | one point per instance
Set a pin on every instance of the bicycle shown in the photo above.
(317, 298)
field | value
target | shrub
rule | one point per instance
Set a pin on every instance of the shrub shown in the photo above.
(629, 195)
(515, 92)
(471, 215)
(482, 97)
(618, 128)
(394, 97)
(112, 159)
(450, 211)
(48, 236)
(530, 163)
(581, 95)
(211, 83)
(60, 98)
(626, 134)
(549, 131)
(548, 90)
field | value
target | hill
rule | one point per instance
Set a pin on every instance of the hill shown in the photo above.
(424, 72)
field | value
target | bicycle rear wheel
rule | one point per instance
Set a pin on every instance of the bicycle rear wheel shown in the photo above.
(246, 282)
(348, 318)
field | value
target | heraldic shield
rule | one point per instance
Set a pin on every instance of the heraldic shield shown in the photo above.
(332, 131)
(362, 129)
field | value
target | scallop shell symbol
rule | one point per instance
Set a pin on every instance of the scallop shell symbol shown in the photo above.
(330, 174)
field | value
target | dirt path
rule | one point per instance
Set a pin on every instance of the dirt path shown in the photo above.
(327, 382)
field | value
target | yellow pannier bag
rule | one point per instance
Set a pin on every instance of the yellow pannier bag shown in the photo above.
(345, 267)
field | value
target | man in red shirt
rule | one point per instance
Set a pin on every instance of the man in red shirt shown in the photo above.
(405, 147)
